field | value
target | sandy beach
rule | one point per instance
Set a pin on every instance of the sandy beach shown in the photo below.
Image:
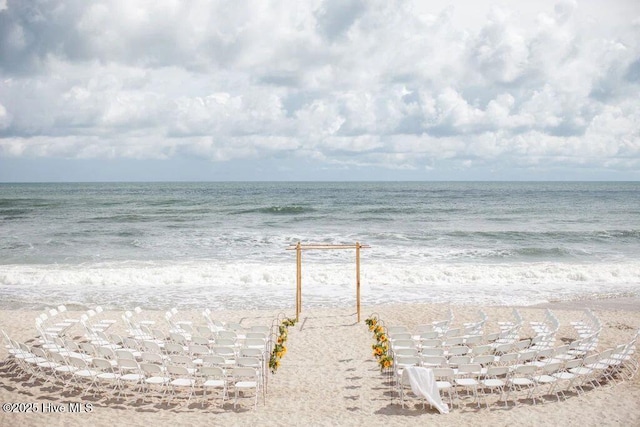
(329, 376)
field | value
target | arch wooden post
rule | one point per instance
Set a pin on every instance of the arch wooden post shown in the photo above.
(358, 279)
(300, 247)
(298, 281)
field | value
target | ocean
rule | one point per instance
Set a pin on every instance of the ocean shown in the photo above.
(224, 245)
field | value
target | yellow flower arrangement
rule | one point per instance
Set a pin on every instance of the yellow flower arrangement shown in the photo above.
(279, 350)
(381, 347)
(386, 362)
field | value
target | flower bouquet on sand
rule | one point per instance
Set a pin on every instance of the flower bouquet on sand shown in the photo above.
(381, 347)
(279, 350)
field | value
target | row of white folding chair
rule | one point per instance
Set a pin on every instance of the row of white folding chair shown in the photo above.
(517, 320)
(585, 345)
(625, 358)
(588, 325)
(407, 340)
(508, 382)
(72, 368)
(177, 343)
(187, 326)
(53, 324)
(173, 377)
(85, 373)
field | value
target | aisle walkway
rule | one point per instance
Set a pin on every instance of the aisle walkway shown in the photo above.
(329, 355)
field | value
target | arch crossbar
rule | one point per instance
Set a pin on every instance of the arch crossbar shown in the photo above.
(299, 247)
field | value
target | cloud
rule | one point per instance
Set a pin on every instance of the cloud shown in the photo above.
(346, 83)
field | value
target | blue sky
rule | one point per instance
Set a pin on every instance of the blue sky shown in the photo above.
(149, 90)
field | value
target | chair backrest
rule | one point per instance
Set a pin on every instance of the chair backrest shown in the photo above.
(504, 348)
(434, 361)
(459, 360)
(71, 345)
(552, 367)
(572, 363)
(453, 341)
(102, 364)
(525, 370)
(58, 358)
(151, 346)
(107, 353)
(227, 334)
(248, 361)
(400, 336)
(213, 360)
(591, 359)
(204, 331)
(545, 354)
(151, 369)
(398, 329)
(198, 349)
(223, 351)
(406, 351)
(182, 360)
(124, 354)
(150, 357)
(432, 351)
(178, 338)
(470, 369)
(508, 358)
(244, 372)
(251, 352)
(426, 335)
(212, 372)
(407, 361)
(605, 354)
(491, 337)
(497, 371)
(173, 348)
(526, 356)
(484, 359)
(225, 342)
(458, 350)
(473, 340)
(255, 342)
(116, 339)
(88, 348)
(178, 371)
(430, 342)
(39, 352)
(481, 349)
(131, 343)
(453, 332)
(158, 334)
(128, 364)
(200, 340)
(561, 349)
(444, 373)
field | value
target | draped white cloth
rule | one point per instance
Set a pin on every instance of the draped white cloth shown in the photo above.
(423, 384)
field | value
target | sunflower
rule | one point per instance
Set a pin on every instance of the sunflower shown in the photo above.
(386, 363)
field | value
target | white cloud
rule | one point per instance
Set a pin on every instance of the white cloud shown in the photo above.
(353, 83)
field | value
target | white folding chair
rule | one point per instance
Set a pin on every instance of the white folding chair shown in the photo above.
(245, 379)
(213, 378)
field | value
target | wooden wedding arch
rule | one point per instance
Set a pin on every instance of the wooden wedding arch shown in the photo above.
(299, 247)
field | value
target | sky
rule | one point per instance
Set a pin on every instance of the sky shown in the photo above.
(269, 90)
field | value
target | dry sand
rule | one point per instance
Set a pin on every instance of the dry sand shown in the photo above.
(329, 377)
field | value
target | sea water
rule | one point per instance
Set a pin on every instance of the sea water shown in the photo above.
(224, 245)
